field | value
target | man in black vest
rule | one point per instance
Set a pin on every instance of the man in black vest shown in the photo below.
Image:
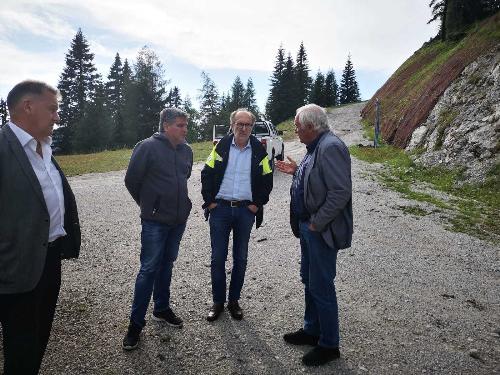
(236, 182)
(39, 226)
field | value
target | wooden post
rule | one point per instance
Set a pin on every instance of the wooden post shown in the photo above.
(377, 123)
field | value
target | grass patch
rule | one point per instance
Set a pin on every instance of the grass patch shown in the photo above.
(288, 128)
(105, 161)
(475, 207)
(117, 160)
(201, 150)
(413, 210)
(368, 129)
(446, 117)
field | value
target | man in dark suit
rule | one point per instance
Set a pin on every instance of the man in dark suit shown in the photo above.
(38, 226)
(321, 216)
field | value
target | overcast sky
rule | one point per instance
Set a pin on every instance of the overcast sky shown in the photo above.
(223, 37)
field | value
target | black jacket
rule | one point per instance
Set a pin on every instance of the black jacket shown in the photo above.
(261, 174)
(157, 179)
(25, 221)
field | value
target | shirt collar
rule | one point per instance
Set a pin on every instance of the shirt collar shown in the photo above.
(234, 144)
(24, 137)
(312, 146)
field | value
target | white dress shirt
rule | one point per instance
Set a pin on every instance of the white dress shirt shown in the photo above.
(48, 176)
(237, 181)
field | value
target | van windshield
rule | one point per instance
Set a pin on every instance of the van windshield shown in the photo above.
(260, 128)
(221, 130)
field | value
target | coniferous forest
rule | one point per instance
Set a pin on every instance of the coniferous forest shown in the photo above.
(118, 110)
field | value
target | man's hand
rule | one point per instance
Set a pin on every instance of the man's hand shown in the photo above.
(312, 228)
(286, 167)
(253, 208)
(211, 206)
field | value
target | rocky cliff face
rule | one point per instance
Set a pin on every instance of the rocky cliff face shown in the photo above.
(463, 129)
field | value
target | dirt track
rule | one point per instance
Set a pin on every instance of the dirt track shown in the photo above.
(414, 298)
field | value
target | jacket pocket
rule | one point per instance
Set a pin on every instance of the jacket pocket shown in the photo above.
(156, 205)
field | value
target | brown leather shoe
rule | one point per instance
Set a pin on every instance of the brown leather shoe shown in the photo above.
(215, 311)
(235, 310)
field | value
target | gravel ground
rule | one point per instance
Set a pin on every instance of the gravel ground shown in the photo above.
(413, 297)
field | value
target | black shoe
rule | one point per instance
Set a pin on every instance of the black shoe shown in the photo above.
(235, 310)
(168, 316)
(131, 339)
(300, 337)
(320, 355)
(215, 311)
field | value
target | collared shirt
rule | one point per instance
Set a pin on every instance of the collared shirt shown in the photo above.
(49, 178)
(236, 184)
(297, 191)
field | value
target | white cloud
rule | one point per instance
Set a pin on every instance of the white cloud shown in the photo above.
(217, 34)
(41, 24)
(246, 35)
(18, 65)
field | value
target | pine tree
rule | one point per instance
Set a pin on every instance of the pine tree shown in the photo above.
(93, 132)
(439, 8)
(77, 86)
(488, 8)
(114, 85)
(174, 98)
(114, 100)
(194, 134)
(289, 94)
(274, 105)
(331, 90)
(249, 100)
(455, 15)
(224, 109)
(302, 78)
(4, 113)
(130, 132)
(209, 106)
(237, 95)
(349, 91)
(151, 87)
(318, 90)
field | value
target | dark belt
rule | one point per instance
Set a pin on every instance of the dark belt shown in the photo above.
(233, 203)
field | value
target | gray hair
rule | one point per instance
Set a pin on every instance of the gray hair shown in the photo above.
(168, 115)
(245, 110)
(26, 87)
(312, 114)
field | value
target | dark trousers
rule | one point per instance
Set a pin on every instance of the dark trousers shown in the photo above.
(159, 249)
(26, 319)
(223, 220)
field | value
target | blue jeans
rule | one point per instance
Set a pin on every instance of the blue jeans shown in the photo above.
(317, 270)
(223, 219)
(159, 250)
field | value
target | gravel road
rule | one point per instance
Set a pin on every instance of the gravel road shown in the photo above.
(414, 298)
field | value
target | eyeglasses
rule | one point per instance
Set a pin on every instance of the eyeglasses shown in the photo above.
(241, 125)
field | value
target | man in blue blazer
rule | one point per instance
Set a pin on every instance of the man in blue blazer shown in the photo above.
(321, 216)
(38, 226)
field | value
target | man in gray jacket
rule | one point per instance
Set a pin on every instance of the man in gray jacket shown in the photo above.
(321, 216)
(157, 180)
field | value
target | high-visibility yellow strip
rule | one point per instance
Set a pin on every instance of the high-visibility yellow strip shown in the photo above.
(214, 156)
(266, 167)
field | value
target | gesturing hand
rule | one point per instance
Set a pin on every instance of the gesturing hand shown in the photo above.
(286, 167)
